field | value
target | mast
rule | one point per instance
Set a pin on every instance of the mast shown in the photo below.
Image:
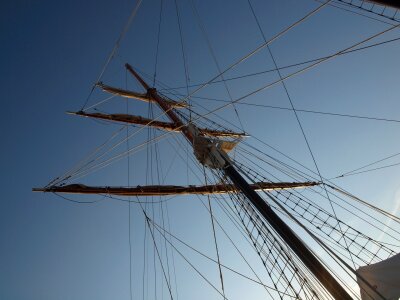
(223, 163)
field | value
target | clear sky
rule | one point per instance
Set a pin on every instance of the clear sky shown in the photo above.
(51, 54)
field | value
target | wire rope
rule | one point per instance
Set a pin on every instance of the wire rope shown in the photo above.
(115, 49)
(288, 66)
(262, 46)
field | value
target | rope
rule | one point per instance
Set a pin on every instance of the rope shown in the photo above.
(262, 46)
(301, 70)
(129, 203)
(159, 229)
(211, 50)
(369, 170)
(158, 254)
(114, 50)
(158, 43)
(215, 238)
(289, 66)
(185, 66)
(307, 111)
(370, 164)
(383, 212)
(298, 120)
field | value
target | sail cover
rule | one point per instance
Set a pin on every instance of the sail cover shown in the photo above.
(383, 276)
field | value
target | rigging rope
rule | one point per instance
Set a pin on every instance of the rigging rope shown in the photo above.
(215, 238)
(304, 110)
(262, 46)
(368, 165)
(163, 231)
(213, 55)
(345, 267)
(114, 50)
(158, 43)
(287, 66)
(129, 203)
(297, 118)
(185, 65)
(301, 70)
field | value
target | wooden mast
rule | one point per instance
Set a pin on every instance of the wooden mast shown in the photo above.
(284, 231)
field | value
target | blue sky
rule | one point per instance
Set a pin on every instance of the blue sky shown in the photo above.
(52, 53)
